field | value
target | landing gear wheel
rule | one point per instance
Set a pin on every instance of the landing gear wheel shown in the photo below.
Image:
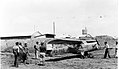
(82, 55)
(88, 55)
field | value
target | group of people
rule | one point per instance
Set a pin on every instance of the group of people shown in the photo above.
(20, 53)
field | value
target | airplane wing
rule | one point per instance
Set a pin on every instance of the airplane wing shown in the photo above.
(65, 41)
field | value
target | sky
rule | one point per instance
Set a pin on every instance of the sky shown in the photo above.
(24, 17)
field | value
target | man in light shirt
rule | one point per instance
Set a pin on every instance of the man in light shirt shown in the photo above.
(106, 50)
(16, 53)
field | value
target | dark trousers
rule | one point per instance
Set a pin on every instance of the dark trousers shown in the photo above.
(24, 57)
(107, 53)
(16, 60)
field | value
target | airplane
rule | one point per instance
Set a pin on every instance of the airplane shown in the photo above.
(82, 47)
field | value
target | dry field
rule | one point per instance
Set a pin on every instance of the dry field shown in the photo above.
(66, 61)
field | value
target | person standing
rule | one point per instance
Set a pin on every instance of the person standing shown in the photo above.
(16, 53)
(116, 49)
(36, 50)
(26, 53)
(42, 53)
(21, 52)
(106, 50)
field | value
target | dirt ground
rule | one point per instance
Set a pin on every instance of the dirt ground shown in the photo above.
(67, 61)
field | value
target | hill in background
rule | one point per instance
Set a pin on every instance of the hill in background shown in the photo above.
(105, 38)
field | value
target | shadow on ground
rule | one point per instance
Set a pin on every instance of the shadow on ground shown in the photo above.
(64, 58)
